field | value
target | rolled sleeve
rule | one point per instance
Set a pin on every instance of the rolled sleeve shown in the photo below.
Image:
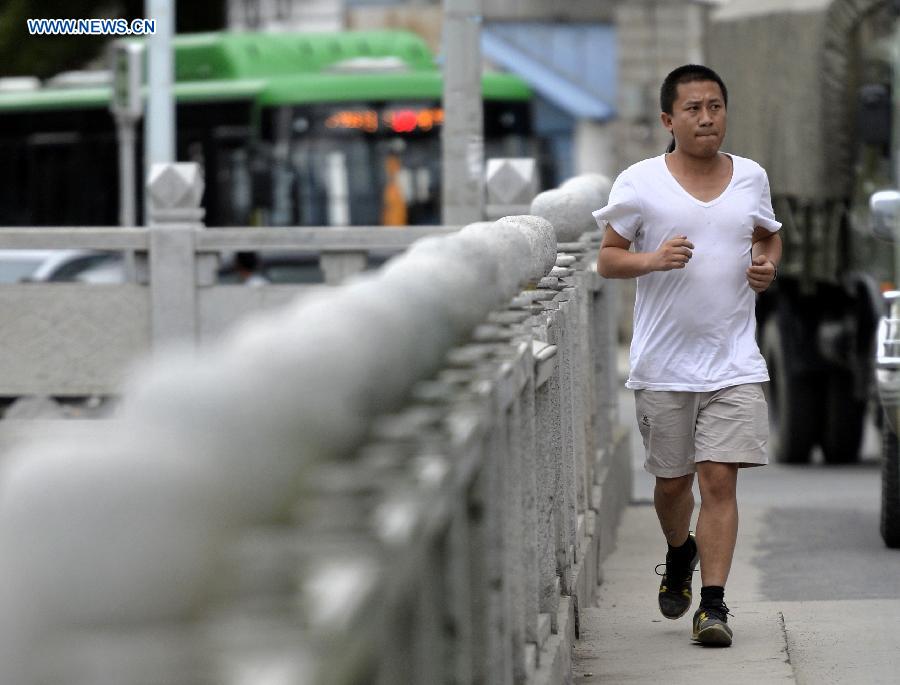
(623, 212)
(764, 216)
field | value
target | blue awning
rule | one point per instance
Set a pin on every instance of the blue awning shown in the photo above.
(571, 65)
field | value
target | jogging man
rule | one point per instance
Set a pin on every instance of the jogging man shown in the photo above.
(706, 242)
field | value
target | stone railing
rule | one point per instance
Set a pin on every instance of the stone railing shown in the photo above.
(409, 478)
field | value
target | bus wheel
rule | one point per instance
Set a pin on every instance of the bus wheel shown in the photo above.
(791, 398)
(890, 486)
(844, 417)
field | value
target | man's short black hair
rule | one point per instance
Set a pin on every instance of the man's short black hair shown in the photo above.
(687, 74)
(247, 261)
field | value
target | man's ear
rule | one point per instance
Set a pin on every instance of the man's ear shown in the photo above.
(666, 120)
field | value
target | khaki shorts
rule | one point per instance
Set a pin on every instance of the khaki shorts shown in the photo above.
(730, 425)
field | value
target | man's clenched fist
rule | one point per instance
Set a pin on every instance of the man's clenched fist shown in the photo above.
(761, 273)
(675, 253)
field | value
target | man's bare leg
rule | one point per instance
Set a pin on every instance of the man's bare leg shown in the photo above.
(718, 522)
(674, 501)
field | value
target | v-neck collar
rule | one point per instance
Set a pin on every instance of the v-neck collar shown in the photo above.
(684, 190)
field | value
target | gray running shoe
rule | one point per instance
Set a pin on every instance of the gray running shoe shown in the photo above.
(675, 589)
(711, 626)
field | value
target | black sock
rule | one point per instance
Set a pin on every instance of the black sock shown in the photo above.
(684, 553)
(712, 595)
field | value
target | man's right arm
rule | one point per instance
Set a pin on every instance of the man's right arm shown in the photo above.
(615, 260)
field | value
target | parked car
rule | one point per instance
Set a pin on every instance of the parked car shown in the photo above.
(89, 266)
(23, 266)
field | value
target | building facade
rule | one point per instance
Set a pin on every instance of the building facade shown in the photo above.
(285, 15)
(654, 37)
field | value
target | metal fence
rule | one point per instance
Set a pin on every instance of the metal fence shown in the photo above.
(409, 478)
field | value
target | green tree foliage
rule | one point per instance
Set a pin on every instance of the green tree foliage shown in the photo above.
(42, 56)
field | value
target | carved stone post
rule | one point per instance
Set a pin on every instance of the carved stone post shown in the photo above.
(511, 185)
(174, 192)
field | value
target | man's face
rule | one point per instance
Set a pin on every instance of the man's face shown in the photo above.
(698, 118)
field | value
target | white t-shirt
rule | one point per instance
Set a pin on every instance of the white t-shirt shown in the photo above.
(694, 328)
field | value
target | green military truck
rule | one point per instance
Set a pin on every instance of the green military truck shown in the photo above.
(810, 99)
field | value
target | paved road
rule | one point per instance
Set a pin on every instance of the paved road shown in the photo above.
(814, 592)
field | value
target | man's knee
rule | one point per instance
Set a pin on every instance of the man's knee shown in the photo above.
(674, 487)
(718, 481)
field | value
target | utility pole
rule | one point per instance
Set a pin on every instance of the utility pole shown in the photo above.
(462, 138)
(895, 142)
(127, 105)
(159, 127)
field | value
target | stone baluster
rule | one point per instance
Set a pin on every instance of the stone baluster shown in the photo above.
(174, 192)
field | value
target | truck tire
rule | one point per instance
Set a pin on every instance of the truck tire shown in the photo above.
(845, 415)
(792, 396)
(890, 487)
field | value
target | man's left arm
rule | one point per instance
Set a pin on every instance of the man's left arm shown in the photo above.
(765, 253)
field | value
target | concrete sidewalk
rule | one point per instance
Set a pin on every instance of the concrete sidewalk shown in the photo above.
(626, 640)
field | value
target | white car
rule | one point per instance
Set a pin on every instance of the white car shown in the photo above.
(24, 266)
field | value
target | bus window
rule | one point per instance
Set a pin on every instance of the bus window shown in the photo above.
(332, 172)
(330, 183)
(369, 163)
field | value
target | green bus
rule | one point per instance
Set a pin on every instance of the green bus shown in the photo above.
(291, 129)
